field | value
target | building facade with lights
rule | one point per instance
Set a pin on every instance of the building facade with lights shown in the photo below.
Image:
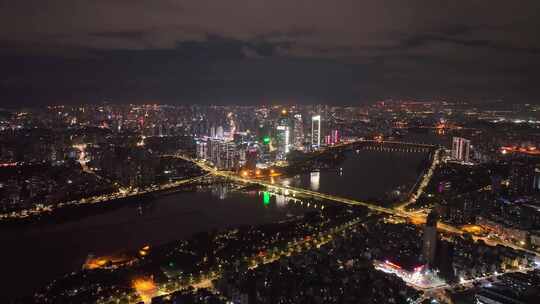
(316, 131)
(461, 149)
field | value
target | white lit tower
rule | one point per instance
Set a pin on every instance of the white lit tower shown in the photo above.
(283, 137)
(461, 149)
(298, 131)
(316, 131)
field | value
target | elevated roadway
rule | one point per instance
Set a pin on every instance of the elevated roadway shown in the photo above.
(417, 218)
(414, 217)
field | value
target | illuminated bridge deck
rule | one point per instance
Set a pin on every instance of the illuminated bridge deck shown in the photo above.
(413, 217)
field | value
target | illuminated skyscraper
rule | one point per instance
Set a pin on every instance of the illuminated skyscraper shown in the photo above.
(283, 139)
(224, 155)
(334, 135)
(219, 132)
(316, 131)
(283, 134)
(228, 157)
(298, 131)
(461, 149)
(202, 149)
(332, 138)
(328, 140)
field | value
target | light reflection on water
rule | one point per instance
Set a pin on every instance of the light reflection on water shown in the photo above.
(49, 250)
(366, 175)
(315, 180)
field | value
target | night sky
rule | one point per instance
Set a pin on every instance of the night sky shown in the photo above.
(275, 51)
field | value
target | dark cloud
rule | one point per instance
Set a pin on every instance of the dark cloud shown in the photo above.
(455, 37)
(248, 51)
(133, 34)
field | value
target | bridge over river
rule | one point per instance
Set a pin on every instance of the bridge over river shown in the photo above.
(399, 210)
(293, 191)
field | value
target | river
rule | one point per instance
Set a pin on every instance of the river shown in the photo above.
(33, 255)
(372, 176)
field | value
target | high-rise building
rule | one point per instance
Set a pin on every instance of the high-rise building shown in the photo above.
(223, 154)
(429, 248)
(445, 260)
(283, 139)
(461, 149)
(523, 177)
(335, 136)
(316, 131)
(283, 135)
(332, 138)
(228, 156)
(536, 183)
(202, 149)
(220, 132)
(328, 140)
(251, 159)
(298, 131)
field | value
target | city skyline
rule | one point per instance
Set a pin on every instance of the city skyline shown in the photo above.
(443, 196)
(269, 152)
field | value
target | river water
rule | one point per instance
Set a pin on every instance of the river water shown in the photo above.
(367, 175)
(33, 255)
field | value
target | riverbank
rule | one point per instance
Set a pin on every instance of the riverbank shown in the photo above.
(39, 211)
(382, 177)
(43, 251)
(175, 265)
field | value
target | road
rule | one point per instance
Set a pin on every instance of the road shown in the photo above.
(423, 182)
(293, 248)
(413, 217)
(122, 193)
(440, 292)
